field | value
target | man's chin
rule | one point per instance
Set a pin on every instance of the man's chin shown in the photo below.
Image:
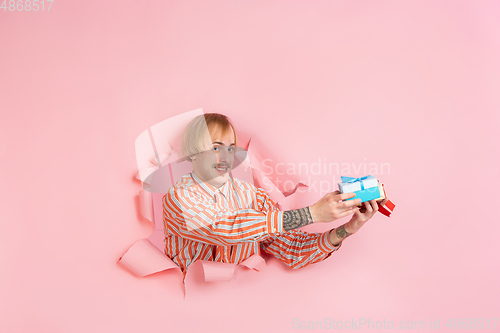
(224, 175)
(219, 180)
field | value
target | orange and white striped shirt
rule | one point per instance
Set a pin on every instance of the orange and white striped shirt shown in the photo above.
(230, 224)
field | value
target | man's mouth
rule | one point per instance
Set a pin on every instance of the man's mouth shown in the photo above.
(221, 168)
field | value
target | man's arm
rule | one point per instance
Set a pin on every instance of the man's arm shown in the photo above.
(331, 207)
(337, 235)
(187, 215)
(293, 219)
(298, 249)
(360, 217)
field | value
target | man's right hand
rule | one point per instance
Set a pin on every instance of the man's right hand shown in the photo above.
(331, 207)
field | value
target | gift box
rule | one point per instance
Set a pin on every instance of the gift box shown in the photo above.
(366, 188)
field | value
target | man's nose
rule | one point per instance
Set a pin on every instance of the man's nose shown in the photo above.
(223, 155)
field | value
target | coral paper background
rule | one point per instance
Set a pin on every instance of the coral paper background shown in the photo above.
(410, 83)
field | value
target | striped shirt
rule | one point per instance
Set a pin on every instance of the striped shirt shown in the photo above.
(230, 224)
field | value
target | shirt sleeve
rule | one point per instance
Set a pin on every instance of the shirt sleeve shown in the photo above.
(299, 249)
(190, 215)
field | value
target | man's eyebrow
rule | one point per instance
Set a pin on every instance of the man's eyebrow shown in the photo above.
(220, 143)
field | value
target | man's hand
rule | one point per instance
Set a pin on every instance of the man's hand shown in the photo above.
(360, 217)
(330, 207)
(363, 214)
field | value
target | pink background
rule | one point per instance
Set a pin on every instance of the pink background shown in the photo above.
(410, 83)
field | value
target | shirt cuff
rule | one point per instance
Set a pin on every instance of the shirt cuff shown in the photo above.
(325, 245)
(275, 222)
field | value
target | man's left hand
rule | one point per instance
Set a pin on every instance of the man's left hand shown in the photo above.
(363, 214)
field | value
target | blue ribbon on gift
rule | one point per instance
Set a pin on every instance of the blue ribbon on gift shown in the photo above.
(353, 180)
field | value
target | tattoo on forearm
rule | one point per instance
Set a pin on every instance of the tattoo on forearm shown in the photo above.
(341, 232)
(293, 219)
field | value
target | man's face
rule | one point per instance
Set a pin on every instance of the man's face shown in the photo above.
(213, 165)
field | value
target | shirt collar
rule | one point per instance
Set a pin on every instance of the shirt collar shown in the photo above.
(212, 190)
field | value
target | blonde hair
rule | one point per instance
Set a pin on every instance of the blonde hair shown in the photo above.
(197, 130)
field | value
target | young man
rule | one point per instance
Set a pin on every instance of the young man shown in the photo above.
(209, 215)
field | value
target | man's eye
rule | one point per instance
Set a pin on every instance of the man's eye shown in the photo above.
(216, 148)
(231, 149)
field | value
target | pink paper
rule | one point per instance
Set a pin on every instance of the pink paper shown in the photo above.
(134, 259)
(218, 271)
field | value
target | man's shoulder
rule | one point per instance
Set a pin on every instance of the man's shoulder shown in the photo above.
(251, 189)
(245, 186)
(184, 183)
